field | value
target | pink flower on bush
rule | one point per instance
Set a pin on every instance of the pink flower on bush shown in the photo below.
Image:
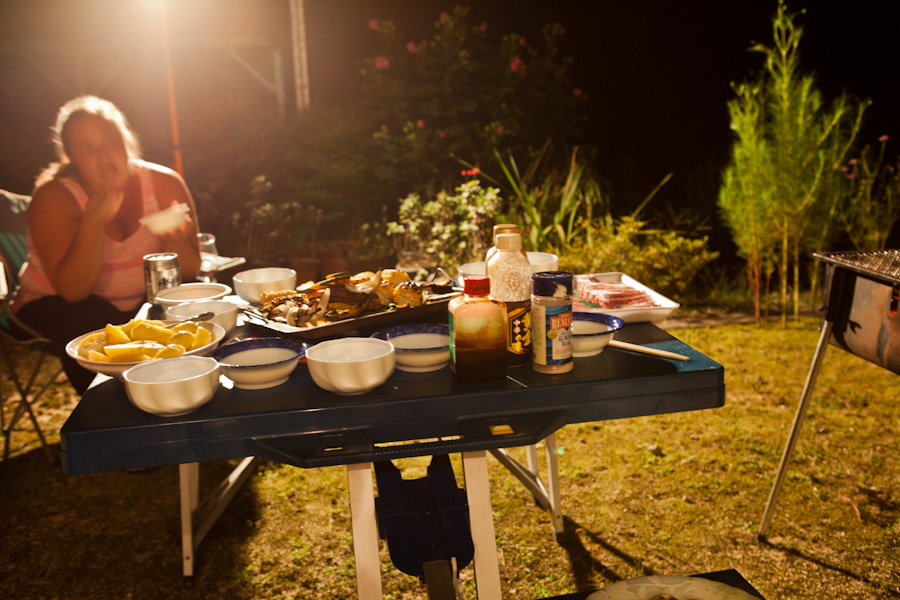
(382, 63)
(522, 41)
(444, 15)
(410, 46)
(577, 92)
(442, 134)
(853, 161)
(483, 27)
(384, 127)
(883, 138)
(420, 124)
(374, 23)
(500, 129)
(516, 64)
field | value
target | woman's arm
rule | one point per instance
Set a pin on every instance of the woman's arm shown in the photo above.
(170, 188)
(69, 242)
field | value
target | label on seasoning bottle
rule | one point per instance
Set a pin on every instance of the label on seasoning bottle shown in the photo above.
(552, 335)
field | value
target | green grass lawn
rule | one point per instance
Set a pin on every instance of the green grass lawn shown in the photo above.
(674, 494)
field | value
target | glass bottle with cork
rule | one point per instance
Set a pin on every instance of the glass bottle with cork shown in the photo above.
(477, 333)
(551, 308)
(510, 275)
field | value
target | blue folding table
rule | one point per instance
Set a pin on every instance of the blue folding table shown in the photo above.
(412, 414)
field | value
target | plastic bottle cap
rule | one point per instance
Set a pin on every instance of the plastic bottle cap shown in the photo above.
(509, 241)
(505, 228)
(548, 283)
(477, 285)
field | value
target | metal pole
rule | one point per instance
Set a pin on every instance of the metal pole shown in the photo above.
(170, 86)
(795, 428)
(301, 67)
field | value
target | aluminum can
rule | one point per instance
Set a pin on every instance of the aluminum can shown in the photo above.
(161, 270)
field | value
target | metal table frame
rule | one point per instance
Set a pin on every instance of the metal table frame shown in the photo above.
(413, 414)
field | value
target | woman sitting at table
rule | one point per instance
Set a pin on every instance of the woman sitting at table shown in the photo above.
(85, 242)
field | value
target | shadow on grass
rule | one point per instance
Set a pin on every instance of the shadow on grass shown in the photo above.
(884, 592)
(584, 564)
(113, 535)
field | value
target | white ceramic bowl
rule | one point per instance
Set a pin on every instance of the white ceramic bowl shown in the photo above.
(191, 292)
(166, 220)
(543, 261)
(259, 363)
(172, 386)
(117, 369)
(224, 313)
(250, 284)
(591, 332)
(350, 365)
(419, 348)
(539, 261)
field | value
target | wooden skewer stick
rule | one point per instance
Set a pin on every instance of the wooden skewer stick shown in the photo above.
(646, 350)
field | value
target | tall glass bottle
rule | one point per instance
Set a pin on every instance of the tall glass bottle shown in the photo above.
(510, 276)
(477, 333)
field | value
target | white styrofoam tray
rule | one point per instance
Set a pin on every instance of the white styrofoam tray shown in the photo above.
(662, 308)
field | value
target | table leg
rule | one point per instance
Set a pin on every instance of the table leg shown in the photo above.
(481, 517)
(365, 531)
(198, 518)
(556, 518)
(530, 476)
(189, 488)
(795, 428)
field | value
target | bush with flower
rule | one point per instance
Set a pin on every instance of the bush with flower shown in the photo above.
(449, 229)
(463, 92)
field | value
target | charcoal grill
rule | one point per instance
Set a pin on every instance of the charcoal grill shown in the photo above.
(860, 315)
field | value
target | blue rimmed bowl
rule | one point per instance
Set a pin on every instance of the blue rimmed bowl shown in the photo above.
(419, 348)
(591, 332)
(259, 363)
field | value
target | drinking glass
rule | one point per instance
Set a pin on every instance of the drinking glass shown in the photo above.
(207, 246)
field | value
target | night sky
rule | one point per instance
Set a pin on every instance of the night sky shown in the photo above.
(657, 72)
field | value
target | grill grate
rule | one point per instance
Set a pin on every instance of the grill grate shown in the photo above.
(880, 264)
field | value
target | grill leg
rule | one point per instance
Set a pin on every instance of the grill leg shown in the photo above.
(795, 428)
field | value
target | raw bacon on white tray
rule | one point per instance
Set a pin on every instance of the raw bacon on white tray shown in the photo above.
(619, 295)
(615, 295)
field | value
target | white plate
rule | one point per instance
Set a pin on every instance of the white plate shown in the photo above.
(117, 369)
(662, 308)
(684, 588)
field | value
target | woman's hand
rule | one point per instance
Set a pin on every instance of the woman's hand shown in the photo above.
(103, 206)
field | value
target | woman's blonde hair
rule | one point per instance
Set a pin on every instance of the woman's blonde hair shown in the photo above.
(79, 108)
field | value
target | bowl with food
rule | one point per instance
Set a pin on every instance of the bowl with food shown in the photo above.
(259, 363)
(173, 386)
(592, 332)
(191, 292)
(167, 220)
(352, 365)
(251, 284)
(224, 313)
(116, 348)
(419, 348)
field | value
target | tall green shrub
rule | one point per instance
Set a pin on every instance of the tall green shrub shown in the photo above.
(784, 175)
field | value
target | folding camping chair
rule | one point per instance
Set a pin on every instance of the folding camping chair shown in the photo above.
(22, 350)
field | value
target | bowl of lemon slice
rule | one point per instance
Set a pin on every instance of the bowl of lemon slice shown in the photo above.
(116, 348)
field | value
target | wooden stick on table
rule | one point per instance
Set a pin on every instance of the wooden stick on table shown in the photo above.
(647, 350)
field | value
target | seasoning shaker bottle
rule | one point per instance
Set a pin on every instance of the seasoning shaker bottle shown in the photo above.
(510, 275)
(551, 310)
(161, 270)
(477, 333)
